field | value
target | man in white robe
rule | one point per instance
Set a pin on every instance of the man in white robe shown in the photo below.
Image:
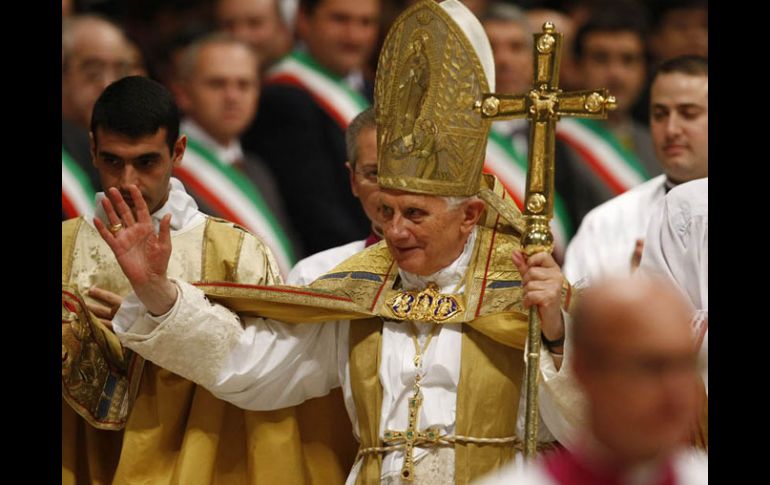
(634, 358)
(678, 249)
(610, 238)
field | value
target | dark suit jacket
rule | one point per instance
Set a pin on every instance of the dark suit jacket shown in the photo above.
(305, 149)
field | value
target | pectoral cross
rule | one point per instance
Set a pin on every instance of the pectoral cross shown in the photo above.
(543, 106)
(411, 436)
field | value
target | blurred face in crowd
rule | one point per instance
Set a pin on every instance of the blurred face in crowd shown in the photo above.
(340, 34)
(221, 91)
(145, 162)
(476, 6)
(614, 60)
(512, 50)
(682, 31)
(94, 55)
(363, 175)
(638, 367)
(424, 234)
(679, 123)
(258, 23)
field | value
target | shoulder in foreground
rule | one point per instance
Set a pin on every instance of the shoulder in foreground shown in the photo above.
(692, 467)
(228, 229)
(628, 197)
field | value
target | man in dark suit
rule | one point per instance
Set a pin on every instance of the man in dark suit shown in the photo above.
(307, 102)
(218, 89)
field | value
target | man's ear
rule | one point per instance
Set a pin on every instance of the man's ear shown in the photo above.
(472, 211)
(179, 147)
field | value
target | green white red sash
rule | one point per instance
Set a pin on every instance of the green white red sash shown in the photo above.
(77, 193)
(510, 167)
(234, 197)
(328, 89)
(614, 164)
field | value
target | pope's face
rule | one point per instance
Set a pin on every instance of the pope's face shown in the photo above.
(423, 234)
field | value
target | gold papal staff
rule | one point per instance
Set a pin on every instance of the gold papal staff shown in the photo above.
(543, 106)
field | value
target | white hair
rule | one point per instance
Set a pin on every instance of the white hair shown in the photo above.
(456, 201)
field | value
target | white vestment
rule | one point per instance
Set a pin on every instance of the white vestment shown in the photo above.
(605, 241)
(677, 247)
(307, 270)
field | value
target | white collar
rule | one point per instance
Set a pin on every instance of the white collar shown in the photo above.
(447, 278)
(182, 207)
(228, 154)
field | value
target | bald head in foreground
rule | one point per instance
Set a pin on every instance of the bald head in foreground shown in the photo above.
(635, 359)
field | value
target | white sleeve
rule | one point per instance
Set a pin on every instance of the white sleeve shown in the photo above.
(676, 244)
(580, 252)
(561, 401)
(261, 365)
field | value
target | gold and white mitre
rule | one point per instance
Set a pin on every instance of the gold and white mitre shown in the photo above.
(433, 68)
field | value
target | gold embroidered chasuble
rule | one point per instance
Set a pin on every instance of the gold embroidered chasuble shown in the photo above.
(494, 332)
(143, 424)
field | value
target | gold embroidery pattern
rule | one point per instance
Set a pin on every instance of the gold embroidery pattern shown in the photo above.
(427, 305)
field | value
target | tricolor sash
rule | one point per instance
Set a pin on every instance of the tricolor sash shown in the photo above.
(510, 167)
(329, 90)
(612, 163)
(77, 192)
(234, 197)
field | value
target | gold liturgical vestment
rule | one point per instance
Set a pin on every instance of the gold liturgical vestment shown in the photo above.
(158, 428)
(494, 332)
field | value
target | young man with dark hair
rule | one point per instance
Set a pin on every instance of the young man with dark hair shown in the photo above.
(611, 238)
(610, 52)
(126, 420)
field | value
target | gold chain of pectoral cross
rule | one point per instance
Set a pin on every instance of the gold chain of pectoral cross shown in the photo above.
(411, 436)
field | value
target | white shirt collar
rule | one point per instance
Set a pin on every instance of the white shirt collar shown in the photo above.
(228, 154)
(447, 278)
(182, 207)
(355, 80)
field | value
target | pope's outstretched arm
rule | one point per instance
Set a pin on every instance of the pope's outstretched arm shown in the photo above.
(255, 364)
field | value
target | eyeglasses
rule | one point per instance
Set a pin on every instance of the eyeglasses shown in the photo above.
(97, 71)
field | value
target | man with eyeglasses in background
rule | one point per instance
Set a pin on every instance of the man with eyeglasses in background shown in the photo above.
(95, 52)
(361, 147)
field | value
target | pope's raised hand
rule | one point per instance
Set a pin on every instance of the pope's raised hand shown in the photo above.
(142, 254)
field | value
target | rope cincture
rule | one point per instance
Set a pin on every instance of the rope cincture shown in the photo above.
(449, 440)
